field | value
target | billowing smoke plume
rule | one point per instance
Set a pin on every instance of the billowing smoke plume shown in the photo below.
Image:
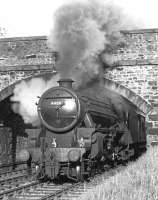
(82, 32)
(26, 96)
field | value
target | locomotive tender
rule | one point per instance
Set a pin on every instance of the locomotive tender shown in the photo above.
(83, 129)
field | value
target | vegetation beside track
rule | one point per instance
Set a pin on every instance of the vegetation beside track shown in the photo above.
(138, 181)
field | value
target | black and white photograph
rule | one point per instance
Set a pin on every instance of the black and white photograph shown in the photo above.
(78, 100)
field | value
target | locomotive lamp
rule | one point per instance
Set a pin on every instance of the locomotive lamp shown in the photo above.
(37, 167)
(74, 155)
(54, 144)
(23, 155)
(81, 142)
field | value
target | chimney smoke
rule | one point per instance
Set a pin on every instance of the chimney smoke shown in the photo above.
(82, 32)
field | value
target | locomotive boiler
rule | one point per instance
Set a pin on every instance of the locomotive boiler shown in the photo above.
(84, 129)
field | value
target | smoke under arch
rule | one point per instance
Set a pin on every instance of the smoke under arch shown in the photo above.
(135, 99)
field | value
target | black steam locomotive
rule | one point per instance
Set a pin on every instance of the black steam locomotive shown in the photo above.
(84, 129)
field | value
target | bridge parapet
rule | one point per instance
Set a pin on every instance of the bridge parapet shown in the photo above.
(23, 57)
(21, 52)
(136, 65)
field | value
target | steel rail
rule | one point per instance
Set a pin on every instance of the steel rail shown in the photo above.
(11, 172)
(12, 164)
(49, 191)
(59, 193)
(18, 188)
(13, 178)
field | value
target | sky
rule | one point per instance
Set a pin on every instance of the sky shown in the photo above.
(35, 17)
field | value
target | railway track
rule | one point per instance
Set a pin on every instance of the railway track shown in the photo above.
(35, 190)
(9, 192)
(44, 191)
(9, 169)
(12, 164)
(12, 173)
(78, 190)
(11, 180)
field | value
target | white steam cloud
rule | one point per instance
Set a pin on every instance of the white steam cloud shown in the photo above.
(26, 96)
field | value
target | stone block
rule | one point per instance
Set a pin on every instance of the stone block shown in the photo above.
(153, 131)
(149, 124)
(154, 104)
(152, 82)
(155, 124)
(151, 101)
(155, 97)
(153, 117)
(25, 51)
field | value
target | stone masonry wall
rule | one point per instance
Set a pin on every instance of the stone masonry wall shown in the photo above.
(23, 57)
(136, 64)
(136, 67)
(22, 52)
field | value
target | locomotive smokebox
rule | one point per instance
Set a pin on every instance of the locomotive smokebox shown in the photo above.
(65, 83)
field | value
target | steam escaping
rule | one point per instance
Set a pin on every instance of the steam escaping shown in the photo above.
(26, 96)
(82, 32)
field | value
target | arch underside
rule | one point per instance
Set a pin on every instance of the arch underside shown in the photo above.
(9, 90)
(132, 97)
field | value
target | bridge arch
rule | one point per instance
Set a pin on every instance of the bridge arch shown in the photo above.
(132, 97)
(9, 90)
(128, 94)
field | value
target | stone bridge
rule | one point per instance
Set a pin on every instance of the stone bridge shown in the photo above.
(132, 75)
(136, 67)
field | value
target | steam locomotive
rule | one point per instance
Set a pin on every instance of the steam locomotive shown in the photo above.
(83, 129)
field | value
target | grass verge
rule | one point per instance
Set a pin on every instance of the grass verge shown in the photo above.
(139, 181)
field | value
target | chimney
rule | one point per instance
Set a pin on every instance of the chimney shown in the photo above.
(65, 83)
